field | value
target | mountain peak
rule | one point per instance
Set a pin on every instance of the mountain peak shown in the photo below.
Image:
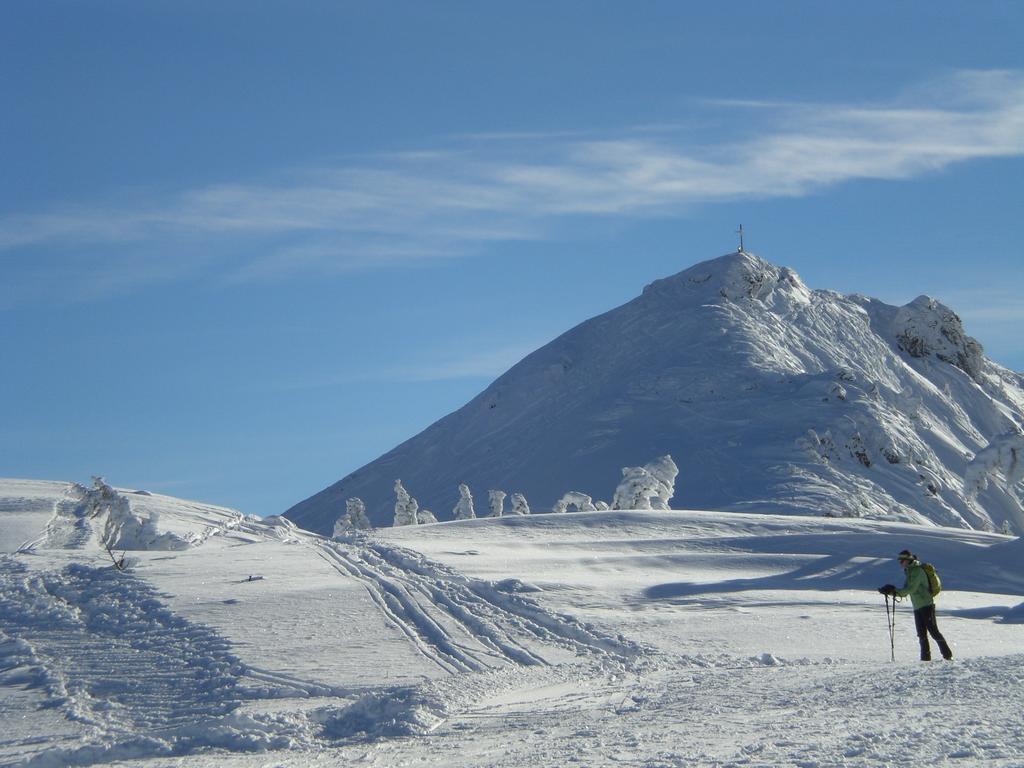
(735, 276)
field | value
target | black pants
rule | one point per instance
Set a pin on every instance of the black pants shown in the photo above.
(924, 619)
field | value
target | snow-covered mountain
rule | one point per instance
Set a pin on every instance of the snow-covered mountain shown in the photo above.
(765, 393)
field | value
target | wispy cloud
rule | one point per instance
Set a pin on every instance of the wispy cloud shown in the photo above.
(407, 207)
(486, 362)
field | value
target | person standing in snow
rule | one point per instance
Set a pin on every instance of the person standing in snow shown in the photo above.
(918, 588)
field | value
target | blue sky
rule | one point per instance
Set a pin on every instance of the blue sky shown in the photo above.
(247, 247)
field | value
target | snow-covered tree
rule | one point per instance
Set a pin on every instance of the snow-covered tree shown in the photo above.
(464, 509)
(519, 505)
(357, 514)
(426, 517)
(123, 528)
(1000, 465)
(497, 502)
(581, 501)
(635, 489)
(354, 519)
(665, 471)
(102, 496)
(406, 507)
(647, 487)
(1003, 458)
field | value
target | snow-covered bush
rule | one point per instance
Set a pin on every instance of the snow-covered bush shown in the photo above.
(354, 519)
(819, 447)
(519, 505)
(406, 507)
(648, 487)
(497, 502)
(858, 450)
(581, 501)
(464, 509)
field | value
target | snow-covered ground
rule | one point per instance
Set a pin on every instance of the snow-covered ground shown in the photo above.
(605, 638)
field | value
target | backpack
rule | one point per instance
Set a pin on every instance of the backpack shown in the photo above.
(934, 583)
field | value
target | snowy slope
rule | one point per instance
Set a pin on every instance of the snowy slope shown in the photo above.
(614, 638)
(766, 394)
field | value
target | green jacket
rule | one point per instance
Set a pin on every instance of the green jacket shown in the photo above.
(917, 586)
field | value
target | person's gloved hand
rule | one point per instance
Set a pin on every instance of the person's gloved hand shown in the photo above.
(887, 589)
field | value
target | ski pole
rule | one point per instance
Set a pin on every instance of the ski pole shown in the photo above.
(891, 620)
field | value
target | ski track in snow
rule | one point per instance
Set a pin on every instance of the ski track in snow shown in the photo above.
(463, 624)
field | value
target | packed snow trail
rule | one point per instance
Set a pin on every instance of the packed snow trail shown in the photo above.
(463, 624)
(105, 651)
(68, 526)
(103, 637)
